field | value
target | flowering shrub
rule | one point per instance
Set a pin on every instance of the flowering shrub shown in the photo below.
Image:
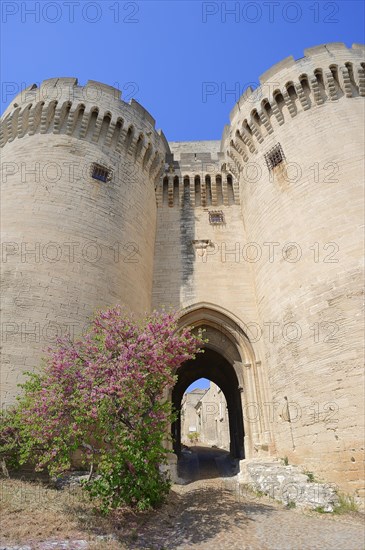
(104, 396)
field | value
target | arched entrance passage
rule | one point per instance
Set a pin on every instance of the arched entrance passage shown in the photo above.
(215, 367)
(233, 363)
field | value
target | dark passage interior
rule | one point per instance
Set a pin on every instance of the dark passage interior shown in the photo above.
(213, 366)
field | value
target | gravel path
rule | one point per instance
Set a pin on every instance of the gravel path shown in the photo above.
(209, 514)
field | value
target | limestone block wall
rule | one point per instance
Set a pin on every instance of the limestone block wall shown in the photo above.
(200, 262)
(309, 211)
(203, 259)
(196, 259)
(72, 244)
(264, 229)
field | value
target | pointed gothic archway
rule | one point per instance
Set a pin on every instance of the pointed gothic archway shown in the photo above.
(215, 367)
(226, 353)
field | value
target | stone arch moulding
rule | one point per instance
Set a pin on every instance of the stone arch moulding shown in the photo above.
(228, 337)
(219, 318)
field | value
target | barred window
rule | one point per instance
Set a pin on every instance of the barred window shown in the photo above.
(101, 173)
(274, 156)
(216, 217)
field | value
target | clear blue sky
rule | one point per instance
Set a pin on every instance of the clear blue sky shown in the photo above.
(202, 384)
(164, 53)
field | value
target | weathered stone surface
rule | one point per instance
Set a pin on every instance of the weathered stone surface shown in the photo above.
(287, 484)
(276, 281)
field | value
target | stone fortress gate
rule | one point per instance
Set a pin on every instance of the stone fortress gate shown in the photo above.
(256, 238)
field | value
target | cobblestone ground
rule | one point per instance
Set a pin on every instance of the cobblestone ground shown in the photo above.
(210, 514)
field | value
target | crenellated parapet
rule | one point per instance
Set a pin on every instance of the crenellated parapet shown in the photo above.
(220, 189)
(195, 175)
(327, 73)
(94, 112)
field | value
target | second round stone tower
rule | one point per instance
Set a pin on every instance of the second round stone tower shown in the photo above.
(296, 145)
(79, 169)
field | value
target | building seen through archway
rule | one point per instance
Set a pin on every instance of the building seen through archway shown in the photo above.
(204, 417)
(215, 367)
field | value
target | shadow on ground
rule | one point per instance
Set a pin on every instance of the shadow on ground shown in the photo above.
(196, 517)
(201, 462)
(204, 509)
(205, 506)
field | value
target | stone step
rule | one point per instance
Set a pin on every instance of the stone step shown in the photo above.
(286, 484)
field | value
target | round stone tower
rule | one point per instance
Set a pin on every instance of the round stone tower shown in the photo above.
(79, 168)
(297, 144)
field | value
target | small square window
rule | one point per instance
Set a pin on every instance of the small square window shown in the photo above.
(275, 156)
(216, 217)
(101, 173)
